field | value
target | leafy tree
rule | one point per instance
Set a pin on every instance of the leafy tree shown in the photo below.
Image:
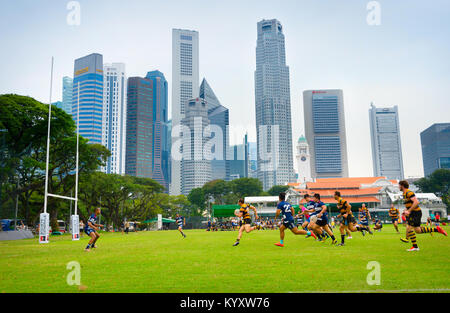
(244, 187)
(217, 189)
(26, 121)
(197, 198)
(439, 183)
(277, 189)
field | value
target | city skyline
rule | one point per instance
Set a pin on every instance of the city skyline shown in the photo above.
(367, 53)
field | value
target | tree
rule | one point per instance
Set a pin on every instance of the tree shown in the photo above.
(217, 189)
(277, 189)
(439, 183)
(244, 187)
(26, 121)
(197, 198)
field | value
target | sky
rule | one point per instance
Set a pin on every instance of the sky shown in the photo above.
(404, 61)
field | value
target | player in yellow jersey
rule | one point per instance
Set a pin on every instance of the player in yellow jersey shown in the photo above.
(413, 215)
(394, 213)
(246, 220)
(348, 222)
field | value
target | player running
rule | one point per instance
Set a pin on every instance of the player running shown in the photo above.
(413, 215)
(394, 214)
(91, 228)
(246, 221)
(287, 212)
(181, 221)
(364, 218)
(321, 222)
(348, 222)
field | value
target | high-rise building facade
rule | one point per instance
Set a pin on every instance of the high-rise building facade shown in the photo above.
(114, 116)
(185, 82)
(386, 144)
(160, 128)
(273, 106)
(87, 96)
(139, 133)
(218, 116)
(435, 141)
(252, 160)
(67, 94)
(325, 132)
(195, 167)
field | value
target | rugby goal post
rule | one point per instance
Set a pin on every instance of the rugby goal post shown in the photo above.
(44, 219)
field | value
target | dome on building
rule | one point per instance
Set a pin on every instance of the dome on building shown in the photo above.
(302, 139)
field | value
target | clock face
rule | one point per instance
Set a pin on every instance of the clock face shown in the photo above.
(303, 158)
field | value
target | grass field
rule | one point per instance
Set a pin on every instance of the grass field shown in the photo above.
(207, 262)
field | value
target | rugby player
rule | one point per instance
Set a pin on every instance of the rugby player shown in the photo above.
(91, 229)
(181, 221)
(349, 222)
(246, 221)
(413, 215)
(394, 214)
(321, 222)
(287, 212)
(364, 218)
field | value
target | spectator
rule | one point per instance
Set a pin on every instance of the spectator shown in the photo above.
(437, 217)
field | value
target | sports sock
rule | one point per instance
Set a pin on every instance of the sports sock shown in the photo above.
(428, 230)
(412, 237)
(281, 241)
(342, 238)
(332, 237)
(88, 246)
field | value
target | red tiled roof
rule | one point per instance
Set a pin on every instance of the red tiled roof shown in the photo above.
(349, 199)
(359, 180)
(331, 185)
(344, 192)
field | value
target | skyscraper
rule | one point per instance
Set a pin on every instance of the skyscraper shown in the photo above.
(139, 133)
(435, 142)
(386, 144)
(88, 76)
(185, 80)
(273, 106)
(218, 116)
(160, 149)
(67, 94)
(195, 167)
(114, 116)
(325, 132)
(238, 162)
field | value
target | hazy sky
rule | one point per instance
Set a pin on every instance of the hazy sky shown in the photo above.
(405, 61)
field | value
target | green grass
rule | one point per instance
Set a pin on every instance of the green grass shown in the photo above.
(207, 262)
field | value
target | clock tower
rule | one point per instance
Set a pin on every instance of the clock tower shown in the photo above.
(303, 161)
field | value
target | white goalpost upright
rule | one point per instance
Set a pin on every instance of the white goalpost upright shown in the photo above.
(44, 223)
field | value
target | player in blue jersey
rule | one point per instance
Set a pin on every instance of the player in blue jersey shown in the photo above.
(364, 218)
(287, 212)
(320, 225)
(91, 228)
(181, 221)
(307, 210)
(377, 224)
